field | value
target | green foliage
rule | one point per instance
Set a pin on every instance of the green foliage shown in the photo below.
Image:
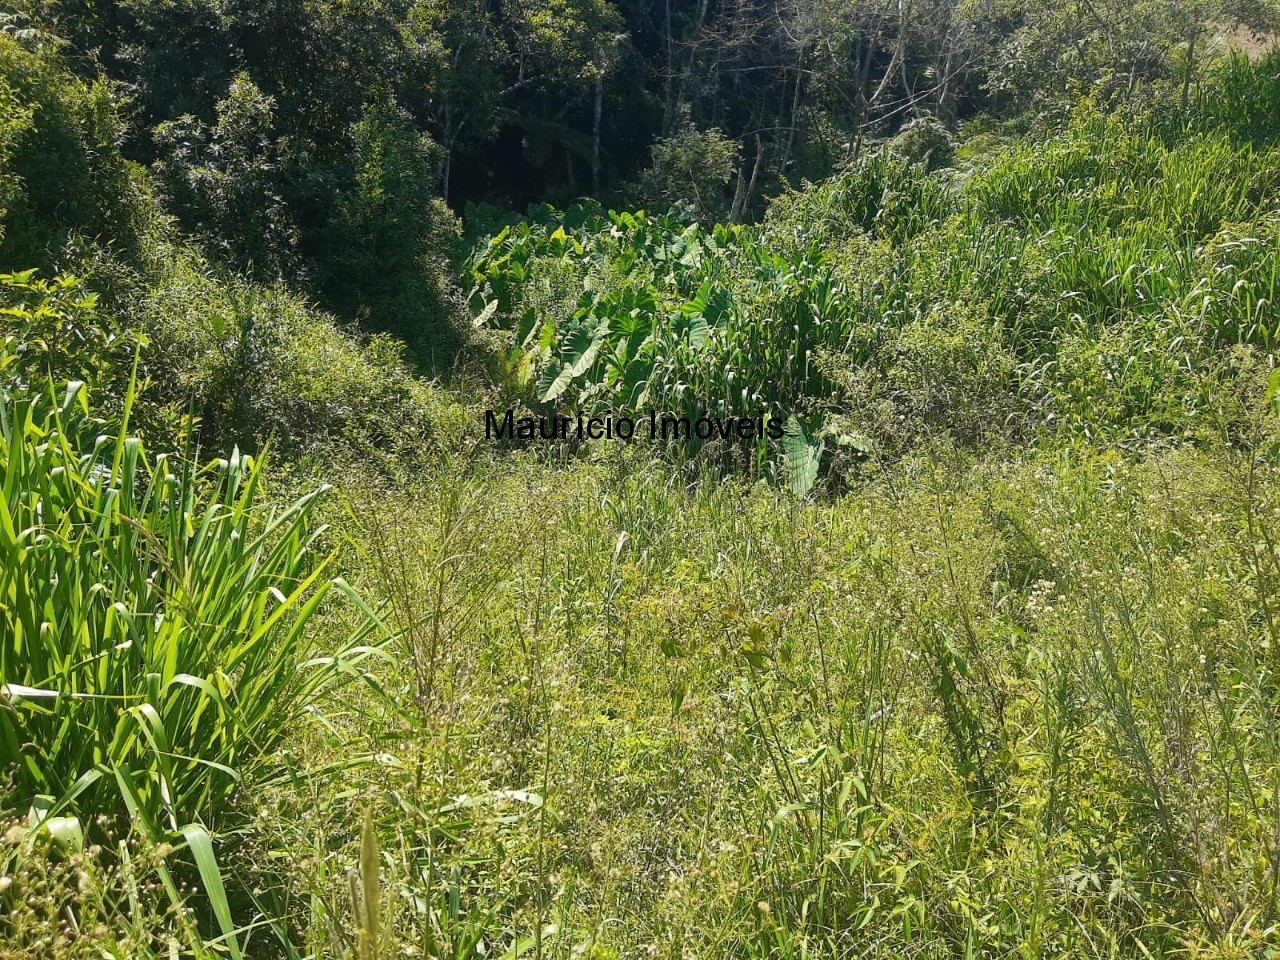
(224, 182)
(154, 620)
(561, 36)
(391, 238)
(692, 170)
(251, 363)
(241, 188)
(924, 139)
(259, 365)
(1250, 98)
(62, 179)
(1117, 50)
(631, 311)
(803, 454)
(16, 122)
(52, 332)
(1091, 284)
(55, 331)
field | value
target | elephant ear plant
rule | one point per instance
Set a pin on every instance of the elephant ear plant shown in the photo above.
(153, 627)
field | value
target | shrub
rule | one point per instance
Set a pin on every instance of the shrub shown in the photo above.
(950, 371)
(387, 250)
(61, 175)
(924, 140)
(225, 182)
(692, 169)
(259, 364)
(52, 331)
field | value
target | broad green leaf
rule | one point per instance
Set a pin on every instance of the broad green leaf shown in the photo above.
(802, 451)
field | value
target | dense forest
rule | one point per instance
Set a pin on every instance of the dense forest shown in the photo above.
(955, 634)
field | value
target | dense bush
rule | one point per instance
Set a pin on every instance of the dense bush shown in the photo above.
(224, 183)
(375, 248)
(387, 255)
(53, 332)
(692, 170)
(260, 365)
(924, 139)
(378, 250)
(253, 365)
(63, 182)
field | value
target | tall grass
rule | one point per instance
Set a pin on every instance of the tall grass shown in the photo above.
(153, 618)
(962, 711)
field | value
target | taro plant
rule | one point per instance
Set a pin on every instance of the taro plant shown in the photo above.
(669, 315)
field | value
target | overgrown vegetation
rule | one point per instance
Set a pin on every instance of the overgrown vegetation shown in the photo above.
(1109, 283)
(980, 659)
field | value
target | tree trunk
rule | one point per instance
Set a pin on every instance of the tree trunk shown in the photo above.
(678, 105)
(737, 194)
(596, 112)
(1186, 73)
(751, 186)
(668, 95)
(448, 149)
(795, 115)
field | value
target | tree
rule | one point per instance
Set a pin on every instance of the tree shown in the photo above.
(692, 169)
(1114, 47)
(562, 49)
(873, 61)
(61, 178)
(455, 53)
(389, 230)
(225, 182)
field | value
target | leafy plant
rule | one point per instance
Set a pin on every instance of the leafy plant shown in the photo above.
(154, 619)
(53, 332)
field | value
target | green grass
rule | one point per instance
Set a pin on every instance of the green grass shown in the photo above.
(154, 622)
(982, 710)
